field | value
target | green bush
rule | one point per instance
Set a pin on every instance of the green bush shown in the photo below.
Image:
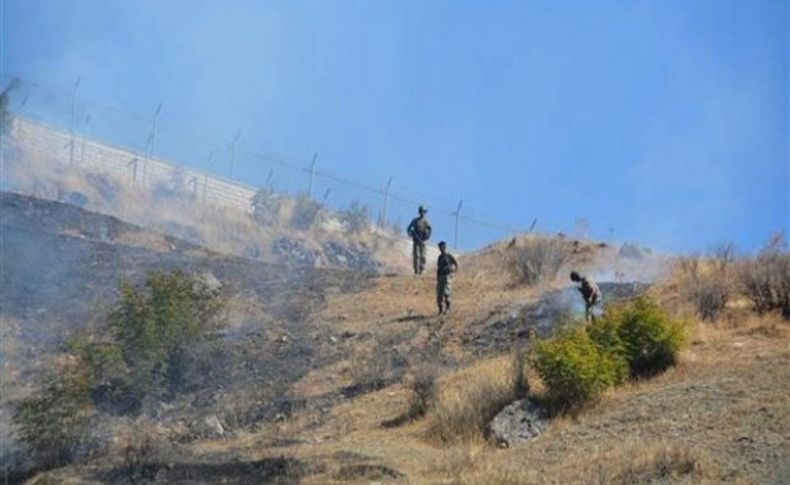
(153, 324)
(53, 422)
(575, 369)
(646, 336)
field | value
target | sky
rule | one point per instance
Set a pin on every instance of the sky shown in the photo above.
(658, 122)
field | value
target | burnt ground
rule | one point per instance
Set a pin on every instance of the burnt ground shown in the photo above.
(60, 268)
(513, 323)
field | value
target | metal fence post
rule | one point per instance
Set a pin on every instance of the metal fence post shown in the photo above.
(73, 117)
(312, 173)
(153, 129)
(233, 152)
(383, 221)
(457, 215)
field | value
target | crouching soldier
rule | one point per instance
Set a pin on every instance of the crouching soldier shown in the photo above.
(420, 231)
(590, 292)
(445, 267)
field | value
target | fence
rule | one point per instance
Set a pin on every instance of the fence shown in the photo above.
(61, 123)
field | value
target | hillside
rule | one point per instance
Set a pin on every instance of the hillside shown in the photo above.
(310, 372)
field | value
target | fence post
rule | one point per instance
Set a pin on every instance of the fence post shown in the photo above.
(153, 129)
(312, 173)
(233, 152)
(457, 215)
(82, 139)
(383, 221)
(73, 117)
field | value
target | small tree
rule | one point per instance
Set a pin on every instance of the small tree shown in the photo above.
(575, 369)
(153, 324)
(5, 97)
(643, 333)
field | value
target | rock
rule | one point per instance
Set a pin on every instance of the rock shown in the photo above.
(209, 282)
(208, 427)
(518, 423)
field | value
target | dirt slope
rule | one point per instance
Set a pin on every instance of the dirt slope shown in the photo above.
(312, 364)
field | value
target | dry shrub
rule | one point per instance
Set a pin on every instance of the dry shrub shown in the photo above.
(469, 400)
(538, 260)
(372, 370)
(707, 283)
(765, 280)
(422, 383)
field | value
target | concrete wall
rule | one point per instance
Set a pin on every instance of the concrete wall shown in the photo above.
(50, 144)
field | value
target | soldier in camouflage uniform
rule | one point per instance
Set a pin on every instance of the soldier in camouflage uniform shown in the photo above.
(420, 231)
(590, 292)
(445, 267)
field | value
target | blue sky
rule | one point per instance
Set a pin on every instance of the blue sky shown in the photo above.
(662, 122)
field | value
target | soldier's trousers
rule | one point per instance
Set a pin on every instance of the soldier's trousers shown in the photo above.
(444, 286)
(418, 255)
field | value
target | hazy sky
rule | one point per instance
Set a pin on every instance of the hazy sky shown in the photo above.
(665, 122)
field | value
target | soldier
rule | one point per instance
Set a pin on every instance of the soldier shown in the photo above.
(590, 292)
(420, 231)
(445, 267)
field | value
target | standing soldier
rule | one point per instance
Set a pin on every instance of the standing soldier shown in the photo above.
(420, 231)
(590, 292)
(445, 267)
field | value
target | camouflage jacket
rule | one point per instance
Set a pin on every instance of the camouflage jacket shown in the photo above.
(589, 290)
(419, 229)
(446, 265)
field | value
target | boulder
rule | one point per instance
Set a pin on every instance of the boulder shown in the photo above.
(518, 422)
(208, 427)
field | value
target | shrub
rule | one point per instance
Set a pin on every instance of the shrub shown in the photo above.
(266, 206)
(538, 260)
(708, 282)
(305, 212)
(153, 324)
(53, 422)
(421, 381)
(575, 369)
(356, 217)
(645, 335)
(765, 280)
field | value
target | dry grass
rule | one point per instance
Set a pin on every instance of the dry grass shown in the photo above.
(469, 400)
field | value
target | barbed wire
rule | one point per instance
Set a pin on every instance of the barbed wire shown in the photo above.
(396, 193)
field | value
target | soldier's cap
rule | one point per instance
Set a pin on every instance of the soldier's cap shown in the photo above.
(422, 210)
(442, 243)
